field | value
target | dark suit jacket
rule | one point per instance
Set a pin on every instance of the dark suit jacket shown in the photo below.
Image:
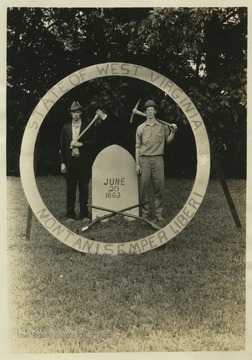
(88, 151)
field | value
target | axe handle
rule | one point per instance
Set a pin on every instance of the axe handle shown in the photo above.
(89, 125)
(97, 115)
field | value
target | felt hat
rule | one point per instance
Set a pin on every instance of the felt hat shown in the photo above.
(76, 106)
(150, 103)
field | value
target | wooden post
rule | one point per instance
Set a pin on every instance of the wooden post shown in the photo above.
(29, 215)
(28, 223)
(225, 188)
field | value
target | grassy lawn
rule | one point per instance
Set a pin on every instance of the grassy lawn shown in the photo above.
(188, 295)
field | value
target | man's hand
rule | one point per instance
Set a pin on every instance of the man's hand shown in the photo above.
(173, 128)
(138, 169)
(75, 143)
(63, 168)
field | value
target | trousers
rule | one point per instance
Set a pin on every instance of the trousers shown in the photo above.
(152, 171)
(77, 176)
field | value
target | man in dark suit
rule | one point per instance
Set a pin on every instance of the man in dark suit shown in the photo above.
(77, 156)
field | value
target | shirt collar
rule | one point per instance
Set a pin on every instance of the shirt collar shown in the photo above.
(76, 123)
(148, 124)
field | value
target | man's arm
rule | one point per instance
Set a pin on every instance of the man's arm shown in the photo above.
(137, 152)
(170, 132)
(138, 167)
(62, 153)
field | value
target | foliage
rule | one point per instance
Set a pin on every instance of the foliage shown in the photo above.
(203, 50)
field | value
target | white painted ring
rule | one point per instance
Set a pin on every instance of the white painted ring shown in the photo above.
(178, 223)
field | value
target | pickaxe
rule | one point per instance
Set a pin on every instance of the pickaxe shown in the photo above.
(138, 112)
(155, 226)
(106, 216)
(135, 110)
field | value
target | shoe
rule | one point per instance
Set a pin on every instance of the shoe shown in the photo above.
(85, 220)
(69, 220)
(83, 216)
(70, 215)
(159, 217)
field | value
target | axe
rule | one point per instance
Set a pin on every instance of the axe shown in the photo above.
(138, 112)
(98, 114)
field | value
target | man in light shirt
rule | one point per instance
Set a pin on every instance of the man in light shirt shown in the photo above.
(151, 137)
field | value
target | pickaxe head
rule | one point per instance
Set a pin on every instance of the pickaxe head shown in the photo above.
(149, 103)
(136, 111)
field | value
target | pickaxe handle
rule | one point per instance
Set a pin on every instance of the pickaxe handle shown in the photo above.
(106, 216)
(155, 226)
(138, 112)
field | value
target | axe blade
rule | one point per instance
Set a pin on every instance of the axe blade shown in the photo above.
(101, 114)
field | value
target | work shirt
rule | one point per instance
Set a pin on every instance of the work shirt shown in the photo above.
(76, 129)
(151, 138)
(76, 132)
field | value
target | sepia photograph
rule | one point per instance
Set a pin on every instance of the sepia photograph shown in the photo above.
(126, 177)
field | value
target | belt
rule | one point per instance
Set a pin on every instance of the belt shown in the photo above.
(151, 155)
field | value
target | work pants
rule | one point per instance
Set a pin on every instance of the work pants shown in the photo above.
(152, 171)
(77, 175)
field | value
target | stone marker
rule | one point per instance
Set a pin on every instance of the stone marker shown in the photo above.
(114, 181)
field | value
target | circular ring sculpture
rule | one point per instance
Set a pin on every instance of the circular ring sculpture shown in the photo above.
(178, 223)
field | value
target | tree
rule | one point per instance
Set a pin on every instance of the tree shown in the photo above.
(203, 50)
